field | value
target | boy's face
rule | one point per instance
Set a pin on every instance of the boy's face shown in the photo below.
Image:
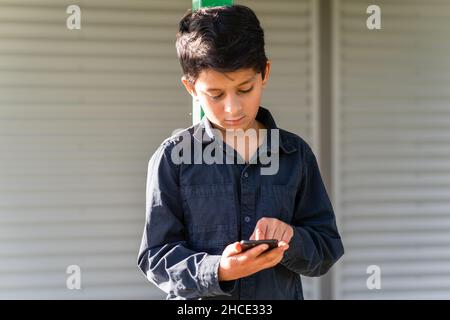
(230, 96)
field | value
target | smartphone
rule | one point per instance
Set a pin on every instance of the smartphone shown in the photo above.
(248, 244)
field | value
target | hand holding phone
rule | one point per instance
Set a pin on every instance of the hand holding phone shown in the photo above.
(256, 259)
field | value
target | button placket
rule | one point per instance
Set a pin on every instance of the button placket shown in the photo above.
(247, 206)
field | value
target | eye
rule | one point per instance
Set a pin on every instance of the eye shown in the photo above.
(246, 91)
(217, 97)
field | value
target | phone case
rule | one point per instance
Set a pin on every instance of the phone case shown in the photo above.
(248, 244)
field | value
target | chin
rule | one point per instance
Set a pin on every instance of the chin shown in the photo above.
(234, 128)
(243, 124)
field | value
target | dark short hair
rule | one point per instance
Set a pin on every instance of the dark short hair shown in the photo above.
(224, 38)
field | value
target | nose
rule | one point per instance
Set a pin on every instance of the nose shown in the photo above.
(233, 106)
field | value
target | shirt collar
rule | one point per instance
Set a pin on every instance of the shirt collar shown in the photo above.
(264, 116)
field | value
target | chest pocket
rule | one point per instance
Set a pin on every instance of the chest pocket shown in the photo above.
(277, 201)
(210, 216)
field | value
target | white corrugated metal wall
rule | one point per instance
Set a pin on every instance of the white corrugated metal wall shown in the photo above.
(392, 155)
(81, 113)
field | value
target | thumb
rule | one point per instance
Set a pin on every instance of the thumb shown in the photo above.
(232, 249)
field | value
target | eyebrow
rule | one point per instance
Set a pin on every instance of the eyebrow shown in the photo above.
(246, 81)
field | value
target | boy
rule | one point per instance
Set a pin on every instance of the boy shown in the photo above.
(198, 211)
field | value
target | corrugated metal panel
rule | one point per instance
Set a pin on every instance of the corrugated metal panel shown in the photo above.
(392, 152)
(290, 28)
(82, 112)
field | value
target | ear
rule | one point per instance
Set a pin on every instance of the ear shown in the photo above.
(189, 87)
(267, 74)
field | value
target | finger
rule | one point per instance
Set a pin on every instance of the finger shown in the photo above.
(259, 234)
(232, 249)
(266, 229)
(278, 234)
(283, 236)
(288, 233)
(286, 237)
(256, 251)
(274, 254)
(282, 247)
(282, 243)
(262, 228)
(270, 234)
(268, 261)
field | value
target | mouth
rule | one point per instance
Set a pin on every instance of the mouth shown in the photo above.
(235, 121)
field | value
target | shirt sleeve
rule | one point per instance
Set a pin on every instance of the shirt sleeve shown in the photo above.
(164, 257)
(316, 244)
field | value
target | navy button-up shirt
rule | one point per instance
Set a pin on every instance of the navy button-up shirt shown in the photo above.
(195, 209)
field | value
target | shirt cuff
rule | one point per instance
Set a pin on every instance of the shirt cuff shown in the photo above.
(209, 277)
(295, 247)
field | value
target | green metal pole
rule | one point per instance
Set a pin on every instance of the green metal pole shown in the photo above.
(197, 4)
(197, 111)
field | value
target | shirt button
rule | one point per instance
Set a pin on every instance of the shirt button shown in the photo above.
(247, 219)
(245, 174)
